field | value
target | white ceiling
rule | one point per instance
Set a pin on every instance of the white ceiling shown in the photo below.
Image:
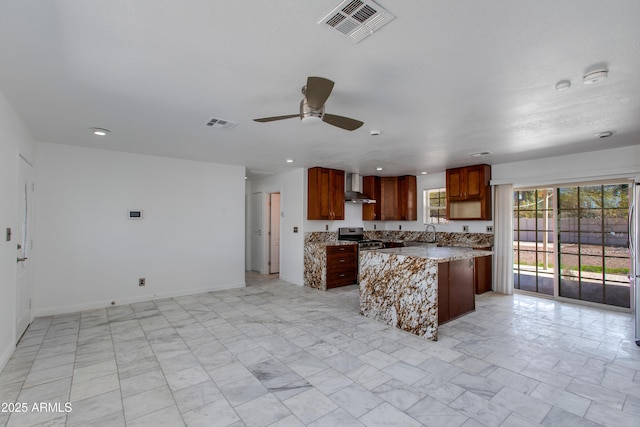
(442, 80)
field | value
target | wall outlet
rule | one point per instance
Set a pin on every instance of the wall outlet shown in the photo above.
(465, 228)
(489, 228)
(141, 281)
(375, 227)
(295, 229)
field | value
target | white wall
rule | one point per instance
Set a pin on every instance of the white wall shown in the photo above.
(15, 140)
(595, 165)
(292, 189)
(191, 237)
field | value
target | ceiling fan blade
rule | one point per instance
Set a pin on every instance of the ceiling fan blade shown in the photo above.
(273, 119)
(342, 122)
(318, 91)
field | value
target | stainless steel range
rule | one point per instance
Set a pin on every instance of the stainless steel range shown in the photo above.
(356, 234)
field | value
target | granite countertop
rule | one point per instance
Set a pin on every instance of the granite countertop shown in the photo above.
(334, 243)
(436, 253)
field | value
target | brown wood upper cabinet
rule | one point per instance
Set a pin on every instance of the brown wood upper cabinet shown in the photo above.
(325, 194)
(469, 193)
(396, 198)
(407, 198)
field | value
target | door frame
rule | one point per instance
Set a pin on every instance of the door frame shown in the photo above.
(257, 238)
(554, 187)
(24, 269)
(274, 232)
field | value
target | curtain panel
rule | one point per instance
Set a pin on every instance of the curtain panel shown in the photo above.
(503, 240)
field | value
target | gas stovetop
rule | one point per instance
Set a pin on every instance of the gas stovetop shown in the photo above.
(356, 234)
(370, 244)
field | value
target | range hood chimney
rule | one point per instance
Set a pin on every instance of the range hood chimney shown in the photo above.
(353, 193)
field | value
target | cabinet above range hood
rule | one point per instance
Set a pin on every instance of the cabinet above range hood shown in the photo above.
(353, 193)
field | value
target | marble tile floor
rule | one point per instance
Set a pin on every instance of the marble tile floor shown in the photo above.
(275, 354)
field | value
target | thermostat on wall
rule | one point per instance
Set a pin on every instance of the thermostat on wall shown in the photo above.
(135, 214)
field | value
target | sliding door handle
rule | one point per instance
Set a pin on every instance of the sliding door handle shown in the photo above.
(22, 259)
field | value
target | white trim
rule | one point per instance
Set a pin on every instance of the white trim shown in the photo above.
(104, 304)
(630, 173)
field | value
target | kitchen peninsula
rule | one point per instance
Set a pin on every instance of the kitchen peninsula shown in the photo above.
(416, 288)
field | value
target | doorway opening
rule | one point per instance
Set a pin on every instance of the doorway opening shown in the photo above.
(274, 233)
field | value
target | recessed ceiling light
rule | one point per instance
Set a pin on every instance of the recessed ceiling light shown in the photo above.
(594, 77)
(375, 132)
(378, 168)
(289, 160)
(423, 173)
(605, 134)
(100, 131)
(563, 85)
(480, 154)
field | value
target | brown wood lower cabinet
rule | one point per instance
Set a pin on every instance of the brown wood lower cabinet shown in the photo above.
(342, 265)
(456, 289)
(483, 273)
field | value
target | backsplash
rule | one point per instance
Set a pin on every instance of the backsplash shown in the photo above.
(468, 240)
(320, 237)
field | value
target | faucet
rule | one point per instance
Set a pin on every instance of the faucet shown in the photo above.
(432, 230)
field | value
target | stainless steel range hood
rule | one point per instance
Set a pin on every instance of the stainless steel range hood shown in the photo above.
(353, 193)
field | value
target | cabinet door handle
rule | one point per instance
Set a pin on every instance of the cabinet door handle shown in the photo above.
(342, 275)
(341, 260)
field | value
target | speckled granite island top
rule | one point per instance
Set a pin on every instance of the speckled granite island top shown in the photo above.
(436, 253)
(399, 286)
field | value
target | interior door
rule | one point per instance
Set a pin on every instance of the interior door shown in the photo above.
(24, 246)
(274, 233)
(256, 232)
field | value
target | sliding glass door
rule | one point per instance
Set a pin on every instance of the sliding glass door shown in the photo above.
(572, 242)
(593, 243)
(533, 246)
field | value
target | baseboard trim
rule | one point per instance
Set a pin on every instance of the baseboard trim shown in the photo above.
(53, 311)
(6, 355)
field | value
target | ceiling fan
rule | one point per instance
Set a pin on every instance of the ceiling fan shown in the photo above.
(315, 94)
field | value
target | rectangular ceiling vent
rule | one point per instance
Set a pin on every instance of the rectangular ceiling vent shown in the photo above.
(221, 124)
(357, 19)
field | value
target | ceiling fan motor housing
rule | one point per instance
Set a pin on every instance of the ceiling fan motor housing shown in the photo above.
(307, 111)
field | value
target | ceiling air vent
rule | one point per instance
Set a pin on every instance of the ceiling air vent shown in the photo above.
(221, 124)
(357, 19)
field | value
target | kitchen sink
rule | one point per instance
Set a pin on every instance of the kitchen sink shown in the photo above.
(408, 243)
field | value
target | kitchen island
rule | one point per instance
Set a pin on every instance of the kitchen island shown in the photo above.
(402, 286)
